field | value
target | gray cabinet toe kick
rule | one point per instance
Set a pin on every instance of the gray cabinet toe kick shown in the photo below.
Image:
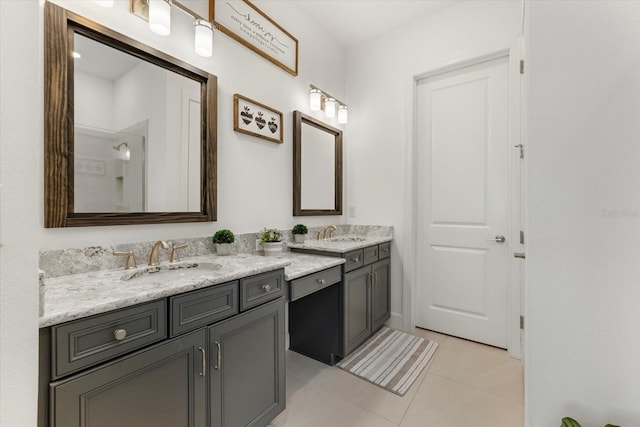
(212, 357)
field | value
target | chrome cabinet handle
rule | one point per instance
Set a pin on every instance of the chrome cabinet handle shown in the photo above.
(356, 259)
(385, 250)
(499, 239)
(120, 334)
(218, 356)
(203, 370)
(322, 281)
(266, 288)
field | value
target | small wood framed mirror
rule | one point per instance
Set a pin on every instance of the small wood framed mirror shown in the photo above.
(317, 167)
(130, 132)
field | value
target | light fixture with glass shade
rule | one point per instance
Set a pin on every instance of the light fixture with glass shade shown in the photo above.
(104, 3)
(342, 114)
(330, 108)
(315, 99)
(321, 100)
(158, 13)
(203, 37)
(160, 17)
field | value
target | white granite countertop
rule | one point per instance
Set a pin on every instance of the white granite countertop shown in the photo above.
(71, 297)
(340, 244)
(303, 264)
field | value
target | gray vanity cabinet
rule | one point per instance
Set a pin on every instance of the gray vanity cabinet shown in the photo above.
(247, 377)
(161, 386)
(366, 299)
(357, 308)
(380, 295)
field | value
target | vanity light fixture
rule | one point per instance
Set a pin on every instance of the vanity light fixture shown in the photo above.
(342, 114)
(320, 100)
(76, 55)
(160, 17)
(104, 3)
(315, 99)
(203, 37)
(123, 154)
(158, 13)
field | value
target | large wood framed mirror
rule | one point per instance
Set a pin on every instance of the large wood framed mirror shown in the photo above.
(317, 167)
(130, 132)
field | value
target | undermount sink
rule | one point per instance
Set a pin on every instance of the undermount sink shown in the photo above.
(163, 272)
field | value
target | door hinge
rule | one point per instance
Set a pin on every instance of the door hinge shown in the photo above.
(521, 147)
(521, 237)
(521, 322)
(522, 66)
(519, 255)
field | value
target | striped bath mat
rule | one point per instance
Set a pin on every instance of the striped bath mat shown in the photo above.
(390, 359)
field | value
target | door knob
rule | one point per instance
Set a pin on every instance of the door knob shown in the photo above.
(499, 238)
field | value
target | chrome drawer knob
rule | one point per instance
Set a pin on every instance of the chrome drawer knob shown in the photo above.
(266, 288)
(119, 334)
(322, 281)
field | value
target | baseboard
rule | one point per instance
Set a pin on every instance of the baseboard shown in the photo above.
(395, 321)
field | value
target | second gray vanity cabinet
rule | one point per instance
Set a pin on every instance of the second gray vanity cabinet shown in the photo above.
(161, 386)
(246, 365)
(381, 293)
(357, 308)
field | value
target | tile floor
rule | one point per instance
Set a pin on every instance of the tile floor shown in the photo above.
(465, 384)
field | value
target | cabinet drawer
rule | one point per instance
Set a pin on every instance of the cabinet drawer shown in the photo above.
(261, 288)
(89, 341)
(314, 282)
(203, 307)
(384, 250)
(370, 254)
(354, 260)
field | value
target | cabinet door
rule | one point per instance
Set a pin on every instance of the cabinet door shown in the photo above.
(163, 386)
(357, 308)
(380, 295)
(247, 367)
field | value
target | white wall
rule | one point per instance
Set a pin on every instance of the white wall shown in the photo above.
(583, 325)
(254, 176)
(379, 77)
(21, 118)
(93, 101)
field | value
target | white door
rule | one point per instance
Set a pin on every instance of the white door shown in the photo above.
(463, 204)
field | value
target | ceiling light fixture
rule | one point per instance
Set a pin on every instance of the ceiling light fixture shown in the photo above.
(321, 100)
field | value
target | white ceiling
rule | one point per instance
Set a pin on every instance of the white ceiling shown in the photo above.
(352, 22)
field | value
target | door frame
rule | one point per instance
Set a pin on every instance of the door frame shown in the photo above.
(516, 277)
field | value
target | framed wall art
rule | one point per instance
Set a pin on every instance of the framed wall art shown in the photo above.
(245, 23)
(256, 119)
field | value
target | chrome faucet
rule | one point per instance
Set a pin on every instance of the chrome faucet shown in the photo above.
(329, 229)
(153, 256)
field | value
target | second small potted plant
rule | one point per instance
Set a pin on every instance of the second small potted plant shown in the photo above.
(299, 232)
(224, 241)
(271, 241)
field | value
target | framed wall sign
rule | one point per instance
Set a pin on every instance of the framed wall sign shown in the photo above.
(245, 23)
(256, 119)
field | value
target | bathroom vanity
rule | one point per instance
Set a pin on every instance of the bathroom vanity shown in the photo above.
(212, 356)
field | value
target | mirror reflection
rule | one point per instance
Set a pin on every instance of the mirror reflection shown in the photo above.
(137, 134)
(317, 177)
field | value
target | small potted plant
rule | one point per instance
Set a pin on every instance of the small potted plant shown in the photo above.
(299, 232)
(224, 240)
(271, 241)
(570, 422)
